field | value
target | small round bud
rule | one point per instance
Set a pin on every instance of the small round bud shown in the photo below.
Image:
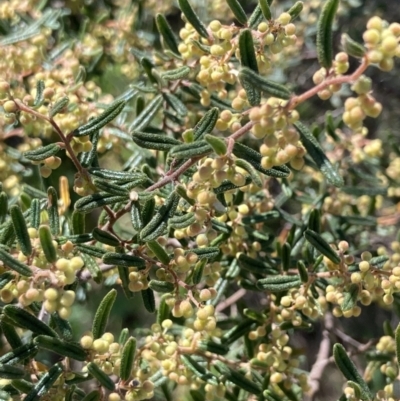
(10, 106)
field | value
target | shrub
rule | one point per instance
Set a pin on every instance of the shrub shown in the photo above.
(193, 177)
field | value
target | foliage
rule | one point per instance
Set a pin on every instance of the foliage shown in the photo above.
(192, 176)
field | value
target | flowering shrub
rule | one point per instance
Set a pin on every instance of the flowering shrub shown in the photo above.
(179, 171)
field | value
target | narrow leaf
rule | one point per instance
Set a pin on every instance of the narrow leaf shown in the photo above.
(266, 11)
(45, 383)
(319, 157)
(349, 370)
(322, 246)
(147, 115)
(27, 321)
(167, 34)
(42, 153)
(46, 241)
(21, 230)
(104, 380)
(149, 300)
(238, 11)
(127, 359)
(102, 314)
(14, 264)
(250, 78)
(192, 18)
(324, 33)
(103, 119)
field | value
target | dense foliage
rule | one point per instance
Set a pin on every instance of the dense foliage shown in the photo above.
(193, 165)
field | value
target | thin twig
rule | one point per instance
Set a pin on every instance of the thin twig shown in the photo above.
(322, 360)
(231, 300)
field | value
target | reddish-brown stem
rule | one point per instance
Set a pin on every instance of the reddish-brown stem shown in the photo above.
(172, 175)
(63, 138)
(296, 100)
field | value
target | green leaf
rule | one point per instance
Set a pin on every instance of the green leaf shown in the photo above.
(248, 59)
(163, 310)
(104, 380)
(39, 99)
(35, 213)
(88, 158)
(158, 224)
(91, 202)
(42, 153)
(169, 39)
(3, 207)
(238, 11)
(314, 221)
(127, 359)
(179, 222)
(176, 73)
(251, 170)
(322, 246)
(92, 266)
(256, 17)
(237, 378)
(149, 300)
(147, 115)
(349, 370)
(124, 260)
(255, 266)
(295, 10)
(61, 347)
(78, 223)
(192, 18)
(249, 78)
(21, 230)
(52, 211)
(161, 286)
(94, 395)
(149, 140)
(27, 321)
(177, 104)
(102, 314)
(324, 33)
(350, 297)
(105, 237)
(215, 348)
(45, 383)
(266, 11)
(205, 253)
(199, 371)
(319, 157)
(58, 106)
(62, 326)
(239, 330)
(19, 354)
(198, 271)
(261, 217)
(103, 119)
(15, 264)
(351, 47)
(301, 267)
(397, 338)
(159, 252)
(254, 158)
(11, 372)
(218, 145)
(279, 283)
(286, 260)
(10, 334)
(189, 150)
(206, 124)
(46, 241)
